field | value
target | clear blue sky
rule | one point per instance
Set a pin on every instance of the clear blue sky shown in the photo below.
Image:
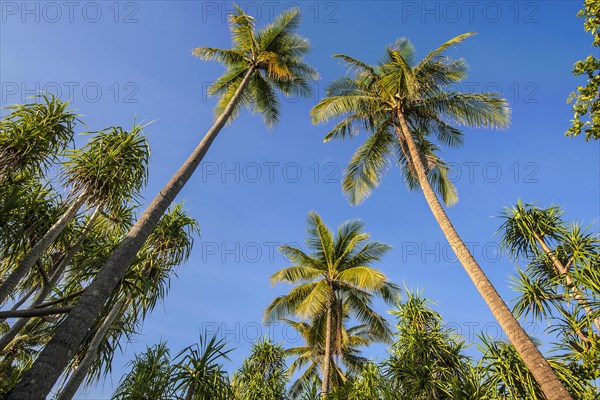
(126, 60)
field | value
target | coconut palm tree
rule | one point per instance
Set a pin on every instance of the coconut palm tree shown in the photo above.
(407, 105)
(259, 63)
(345, 362)
(110, 169)
(146, 283)
(337, 273)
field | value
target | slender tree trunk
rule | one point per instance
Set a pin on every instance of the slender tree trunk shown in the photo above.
(69, 390)
(38, 249)
(327, 355)
(551, 386)
(47, 368)
(54, 279)
(35, 312)
(561, 270)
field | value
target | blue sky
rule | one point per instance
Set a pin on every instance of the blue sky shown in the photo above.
(124, 60)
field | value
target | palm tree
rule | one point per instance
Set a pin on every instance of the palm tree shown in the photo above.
(311, 355)
(109, 169)
(258, 64)
(338, 272)
(146, 283)
(406, 105)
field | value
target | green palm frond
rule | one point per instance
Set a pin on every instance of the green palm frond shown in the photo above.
(369, 99)
(273, 56)
(367, 166)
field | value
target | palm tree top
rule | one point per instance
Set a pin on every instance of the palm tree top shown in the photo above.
(340, 263)
(274, 54)
(371, 98)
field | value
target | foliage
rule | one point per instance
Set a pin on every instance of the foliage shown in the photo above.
(587, 98)
(149, 377)
(427, 358)
(274, 57)
(370, 99)
(262, 376)
(33, 136)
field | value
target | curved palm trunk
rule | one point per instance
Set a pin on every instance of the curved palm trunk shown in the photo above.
(562, 270)
(69, 390)
(46, 289)
(534, 360)
(38, 249)
(41, 377)
(327, 355)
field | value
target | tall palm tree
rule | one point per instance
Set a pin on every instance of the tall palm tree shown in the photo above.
(259, 63)
(337, 272)
(109, 169)
(406, 105)
(146, 283)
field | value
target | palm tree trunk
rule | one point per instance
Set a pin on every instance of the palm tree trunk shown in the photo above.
(38, 249)
(571, 287)
(69, 390)
(54, 278)
(41, 377)
(551, 386)
(327, 355)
